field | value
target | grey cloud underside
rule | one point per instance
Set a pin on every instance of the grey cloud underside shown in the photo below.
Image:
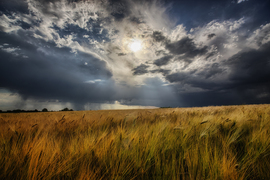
(54, 76)
(211, 71)
(251, 68)
(8, 6)
(158, 36)
(184, 46)
(211, 98)
(142, 69)
(163, 61)
(187, 47)
(164, 72)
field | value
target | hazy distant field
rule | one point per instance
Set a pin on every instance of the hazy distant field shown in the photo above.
(230, 142)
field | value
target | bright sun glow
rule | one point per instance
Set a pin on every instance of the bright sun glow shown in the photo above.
(135, 46)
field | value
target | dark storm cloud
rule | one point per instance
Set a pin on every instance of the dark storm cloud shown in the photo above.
(209, 98)
(10, 6)
(177, 77)
(187, 47)
(164, 72)
(16, 41)
(163, 61)
(160, 52)
(158, 36)
(118, 16)
(249, 81)
(184, 46)
(210, 36)
(119, 9)
(210, 93)
(251, 67)
(135, 20)
(211, 71)
(195, 80)
(44, 76)
(140, 70)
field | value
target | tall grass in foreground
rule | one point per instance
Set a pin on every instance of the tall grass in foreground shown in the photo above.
(230, 142)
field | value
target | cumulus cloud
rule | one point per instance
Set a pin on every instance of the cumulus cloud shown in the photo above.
(259, 37)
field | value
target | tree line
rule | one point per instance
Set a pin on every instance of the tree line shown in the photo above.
(28, 111)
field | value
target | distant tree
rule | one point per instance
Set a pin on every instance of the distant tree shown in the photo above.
(36, 110)
(65, 109)
(44, 110)
(1, 111)
(17, 110)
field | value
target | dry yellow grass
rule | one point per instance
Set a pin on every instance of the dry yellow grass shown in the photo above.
(226, 142)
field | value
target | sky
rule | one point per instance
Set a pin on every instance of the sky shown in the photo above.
(119, 54)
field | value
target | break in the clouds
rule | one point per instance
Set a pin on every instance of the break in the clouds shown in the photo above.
(132, 54)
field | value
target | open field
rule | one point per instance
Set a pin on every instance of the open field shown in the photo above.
(228, 142)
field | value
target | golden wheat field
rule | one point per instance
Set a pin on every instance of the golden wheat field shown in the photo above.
(226, 142)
